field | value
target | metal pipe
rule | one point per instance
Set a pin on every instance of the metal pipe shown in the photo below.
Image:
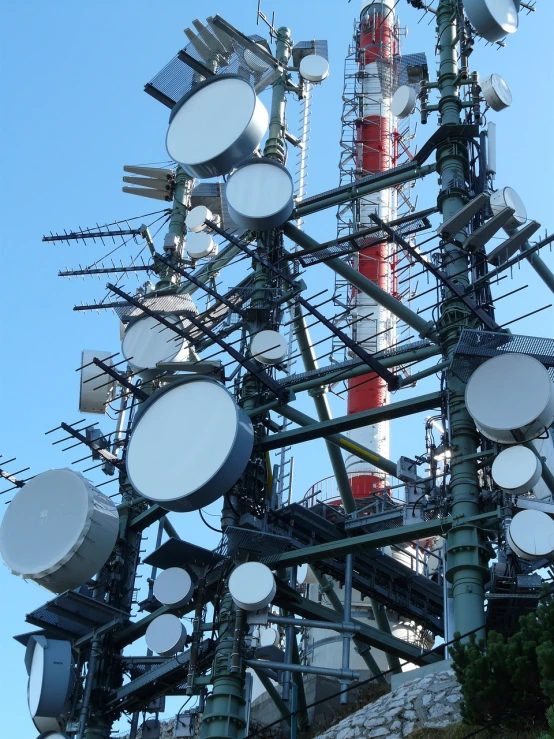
(313, 624)
(272, 692)
(300, 697)
(546, 275)
(304, 669)
(89, 684)
(547, 475)
(425, 329)
(347, 636)
(382, 621)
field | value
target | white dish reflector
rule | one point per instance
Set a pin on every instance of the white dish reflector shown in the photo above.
(493, 19)
(507, 197)
(189, 444)
(268, 347)
(531, 535)
(51, 677)
(252, 586)
(496, 92)
(259, 194)
(173, 587)
(166, 635)
(516, 470)
(58, 530)
(147, 342)
(314, 68)
(403, 101)
(97, 388)
(196, 217)
(200, 245)
(269, 637)
(215, 126)
(45, 723)
(511, 398)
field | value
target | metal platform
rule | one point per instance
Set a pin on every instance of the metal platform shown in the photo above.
(179, 553)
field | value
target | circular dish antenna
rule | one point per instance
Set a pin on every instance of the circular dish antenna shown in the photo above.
(314, 68)
(269, 637)
(301, 574)
(511, 398)
(492, 19)
(200, 245)
(255, 62)
(46, 724)
(97, 389)
(58, 530)
(507, 197)
(216, 125)
(195, 220)
(259, 194)
(403, 101)
(147, 342)
(173, 587)
(189, 444)
(516, 470)
(545, 447)
(496, 92)
(51, 678)
(531, 535)
(252, 586)
(53, 735)
(166, 635)
(268, 347)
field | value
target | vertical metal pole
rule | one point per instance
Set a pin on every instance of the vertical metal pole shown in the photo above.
(347, 635)
(289, 644)
(294, 716)
(467, 557)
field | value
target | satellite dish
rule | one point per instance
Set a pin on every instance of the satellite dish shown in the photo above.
(507, 197)
(173, 587)
(47, 724)
(252, 586)
(403, 101)
(97, 388)
(58, 530)
(255, 62)
(531, 535)
(217, 124)
(516, 470)
(496, 92)
(189, 444)
(259, 194)
(166, 635)
(314, 68)
(147, 342)
(269, 637)
(492, 19)
(51, 677)
(199, 245)
(511, 398)
(196, 218)
(269, 347)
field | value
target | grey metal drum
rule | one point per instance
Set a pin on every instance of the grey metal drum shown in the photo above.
(51, 676)
(189, 444)
(493, 19)
(215, 126)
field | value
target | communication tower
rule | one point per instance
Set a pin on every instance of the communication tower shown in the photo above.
(204, 388)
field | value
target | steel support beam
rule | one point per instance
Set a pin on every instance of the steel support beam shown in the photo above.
(355, 420)
(425, 329)
(546, 275)
(271, 691)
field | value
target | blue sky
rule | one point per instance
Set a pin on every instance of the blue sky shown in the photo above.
(74, 113)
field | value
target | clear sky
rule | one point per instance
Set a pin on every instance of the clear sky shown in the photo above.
(74, 113)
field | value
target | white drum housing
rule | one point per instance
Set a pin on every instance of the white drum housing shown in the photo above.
(147, 342)
(403, 101)
(58, 530)
(496, 92)
(166, 635)
(252, 586)
(97, 388)
(259, 194)
(51, 677)
(268, 347)
(531, 535)
(189, 444)
(207, 143)
(314, 68)
(516, 470)
(173, 587)
(200, 245)
(507, 197)
(493, 19)
(511, 398)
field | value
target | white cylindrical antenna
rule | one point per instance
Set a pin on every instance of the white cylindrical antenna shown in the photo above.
(491, 148)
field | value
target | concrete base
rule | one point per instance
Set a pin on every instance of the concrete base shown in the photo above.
(406, 677)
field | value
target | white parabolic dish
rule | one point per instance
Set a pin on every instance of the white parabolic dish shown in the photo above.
(511, 398)
(216, 125)
(314, 68)
(507, 197)
(166, 635)
(58, 530)
(496, 92)
(268, 347)
(516, 470)
(189, 445)
(173, 587)
(493, 19)
(97, 387)
(51, 678)
(259, 194)
(403, 101)
(200, 245)
(196, 217)
(147, 342)
(531, 534)
(252, 586)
